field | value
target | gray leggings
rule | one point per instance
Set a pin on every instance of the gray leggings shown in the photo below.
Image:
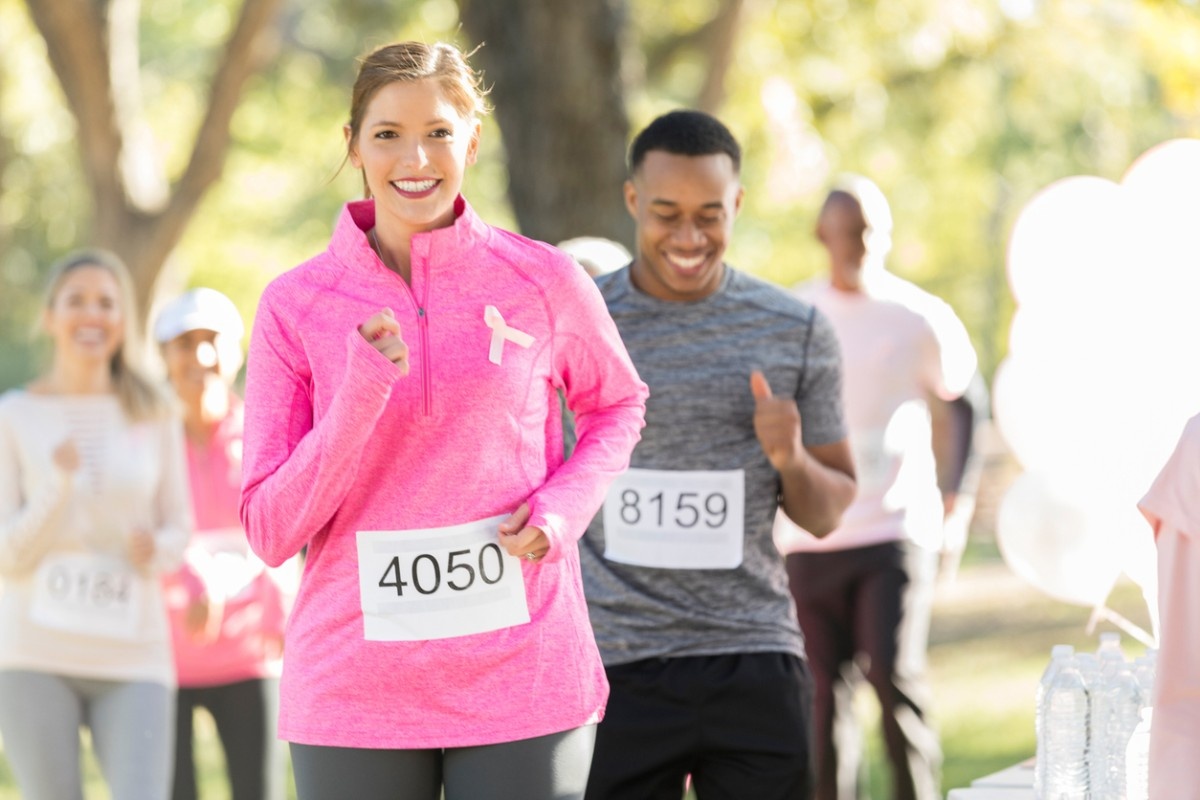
(553, 767)
(132, 725)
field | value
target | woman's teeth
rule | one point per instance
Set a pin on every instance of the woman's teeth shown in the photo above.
(414, 186)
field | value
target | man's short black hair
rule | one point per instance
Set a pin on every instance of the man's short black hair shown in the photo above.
(685, 133)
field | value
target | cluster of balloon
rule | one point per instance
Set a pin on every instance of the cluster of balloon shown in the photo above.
(1101, 371)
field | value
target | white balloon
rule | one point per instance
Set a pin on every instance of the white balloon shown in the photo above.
(1051, 543)
(1162, 190)
(1063, 238)
(1166, 180)
(1102, 367)
(1017, 417)
(1134, 539)
(1055, 416)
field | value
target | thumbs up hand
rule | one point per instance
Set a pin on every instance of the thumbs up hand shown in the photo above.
(777, 425)
(383, 332)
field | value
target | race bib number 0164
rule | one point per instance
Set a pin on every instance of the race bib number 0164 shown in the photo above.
(438, 583)
(86, 593)
(675, 519)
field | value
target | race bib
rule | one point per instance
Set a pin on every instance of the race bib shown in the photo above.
(88, 593)
(874, 466)
(676, 520)
(438, 583)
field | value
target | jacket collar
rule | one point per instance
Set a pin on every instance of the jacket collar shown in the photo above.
(351, 246)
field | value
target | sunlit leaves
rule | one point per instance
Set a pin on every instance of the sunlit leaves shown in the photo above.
(960, 109)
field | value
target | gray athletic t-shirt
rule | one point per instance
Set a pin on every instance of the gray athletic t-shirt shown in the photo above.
(697, 358)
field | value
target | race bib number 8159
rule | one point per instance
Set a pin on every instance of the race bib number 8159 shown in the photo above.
(438, 583)
(676, 519)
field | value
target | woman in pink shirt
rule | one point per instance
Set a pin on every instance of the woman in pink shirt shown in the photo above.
(226, 607)
(1172, 505)
(402, 422)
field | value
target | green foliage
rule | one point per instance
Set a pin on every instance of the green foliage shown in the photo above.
(961, 111)
(283, 182)
(39, 196)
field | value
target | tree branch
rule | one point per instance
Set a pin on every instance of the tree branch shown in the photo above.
(722, 42)
(715, 40)
(74, 32)
(251, 45)
(660, 55)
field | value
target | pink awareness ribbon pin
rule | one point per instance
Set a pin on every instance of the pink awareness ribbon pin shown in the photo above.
(501, 332)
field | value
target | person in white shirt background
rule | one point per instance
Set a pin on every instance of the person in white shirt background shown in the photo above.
(864, 592)
(94, 508)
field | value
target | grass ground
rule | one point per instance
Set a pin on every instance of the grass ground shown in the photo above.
(989, 643)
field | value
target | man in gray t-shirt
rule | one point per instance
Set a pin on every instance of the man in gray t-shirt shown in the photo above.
(687, 593)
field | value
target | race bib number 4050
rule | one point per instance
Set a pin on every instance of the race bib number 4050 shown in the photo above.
(675, 519)
(438, 583)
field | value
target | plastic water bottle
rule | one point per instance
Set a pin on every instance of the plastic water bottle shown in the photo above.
(1088, 665)
(1123, 696)
(1137, 759)
(1066, 735)
(1110, 646)
(1144, 668)
(1059, 655)
(1101, 749)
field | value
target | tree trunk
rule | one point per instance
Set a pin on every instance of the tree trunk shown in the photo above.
(722, 41)
(92, 47)
(556, 84)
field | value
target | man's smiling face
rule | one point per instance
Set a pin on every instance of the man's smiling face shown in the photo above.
(684, 207)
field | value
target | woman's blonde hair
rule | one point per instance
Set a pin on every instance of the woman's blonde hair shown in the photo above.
(140, 397)
(414, 61)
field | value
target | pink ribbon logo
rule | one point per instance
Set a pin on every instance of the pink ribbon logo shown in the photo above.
(501, 333)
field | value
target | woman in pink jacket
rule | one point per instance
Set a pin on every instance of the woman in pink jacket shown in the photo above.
(402, 422)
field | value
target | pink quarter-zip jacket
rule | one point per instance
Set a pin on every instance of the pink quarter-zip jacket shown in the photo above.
(338, 443)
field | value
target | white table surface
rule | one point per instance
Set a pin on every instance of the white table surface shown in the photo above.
(1013, 783)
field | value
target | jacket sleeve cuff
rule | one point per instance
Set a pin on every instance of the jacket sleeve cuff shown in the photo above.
(554, 526)
(368, 365)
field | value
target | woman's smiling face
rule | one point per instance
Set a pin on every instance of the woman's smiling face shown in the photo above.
(414, 147)
(85, 318)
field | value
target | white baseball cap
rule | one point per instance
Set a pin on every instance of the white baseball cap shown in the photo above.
(199, 309)
(597, 255)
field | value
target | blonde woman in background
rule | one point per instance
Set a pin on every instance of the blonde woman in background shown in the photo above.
(93, 509)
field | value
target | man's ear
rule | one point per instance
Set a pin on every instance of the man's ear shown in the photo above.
(631, 198)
